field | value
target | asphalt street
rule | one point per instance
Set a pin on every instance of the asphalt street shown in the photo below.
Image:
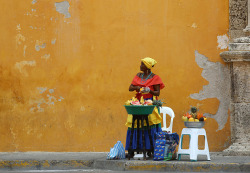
(88, 171)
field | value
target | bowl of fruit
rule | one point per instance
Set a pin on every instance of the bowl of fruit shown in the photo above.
(194, 119)
(142, 107)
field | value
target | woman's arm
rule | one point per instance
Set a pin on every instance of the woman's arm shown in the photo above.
(156, 91)
(133, 87)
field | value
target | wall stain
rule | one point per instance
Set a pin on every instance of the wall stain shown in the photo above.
(46, 57)
(53, 41)
(218, 77)
(44, 100)
(39, 45)
(34, 1)
(19, 39)
(63, 8)
(222, 41)
(24, 50)
(20, 66)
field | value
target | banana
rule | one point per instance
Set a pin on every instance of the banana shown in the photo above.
(142, 100)
(154, 98)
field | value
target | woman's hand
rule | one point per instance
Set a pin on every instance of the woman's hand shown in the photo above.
(133, 87)
(145, 90)
(137, 87)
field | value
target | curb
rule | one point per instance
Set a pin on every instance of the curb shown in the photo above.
(190, 167)
(45, 164)
(124, 165)
(97, 161)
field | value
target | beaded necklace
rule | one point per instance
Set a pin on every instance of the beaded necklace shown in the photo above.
(143, 81)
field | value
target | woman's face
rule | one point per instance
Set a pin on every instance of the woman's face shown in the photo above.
(143, 67)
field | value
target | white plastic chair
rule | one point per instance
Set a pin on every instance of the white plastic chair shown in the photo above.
(167, 110)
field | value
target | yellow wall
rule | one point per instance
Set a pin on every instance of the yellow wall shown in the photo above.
(68, 95)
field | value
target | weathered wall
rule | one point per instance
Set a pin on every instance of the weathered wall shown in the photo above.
(237, 18)
(66, 67)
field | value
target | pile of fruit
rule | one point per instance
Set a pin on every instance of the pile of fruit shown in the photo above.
(194, 116)
(142, 102)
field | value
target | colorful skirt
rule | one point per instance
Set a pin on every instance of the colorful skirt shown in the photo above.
(153, 129)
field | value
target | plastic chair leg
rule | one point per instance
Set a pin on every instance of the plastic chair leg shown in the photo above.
(206, 148)
(179, 156)
(194, 147)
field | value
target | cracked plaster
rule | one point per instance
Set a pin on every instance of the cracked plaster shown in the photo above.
(218, 77)
(63, 8)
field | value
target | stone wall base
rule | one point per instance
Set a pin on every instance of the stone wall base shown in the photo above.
(237, 149)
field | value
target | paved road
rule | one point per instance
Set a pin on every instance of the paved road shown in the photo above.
(87, 171)
(59, 171)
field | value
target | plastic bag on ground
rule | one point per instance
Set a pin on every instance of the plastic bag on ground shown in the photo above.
(117, 152)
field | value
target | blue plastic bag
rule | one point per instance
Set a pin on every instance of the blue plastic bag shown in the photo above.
(117, 152)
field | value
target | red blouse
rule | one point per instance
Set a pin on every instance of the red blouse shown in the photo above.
(156, 80)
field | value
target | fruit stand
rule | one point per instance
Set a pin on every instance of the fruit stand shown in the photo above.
(140, 113)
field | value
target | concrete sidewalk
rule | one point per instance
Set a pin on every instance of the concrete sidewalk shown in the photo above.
(97, 160)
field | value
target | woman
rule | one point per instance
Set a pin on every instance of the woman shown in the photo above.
(151, 84)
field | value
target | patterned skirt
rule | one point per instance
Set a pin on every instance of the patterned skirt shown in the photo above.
(153, 129)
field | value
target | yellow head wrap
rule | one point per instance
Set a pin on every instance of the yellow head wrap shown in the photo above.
(149, 62)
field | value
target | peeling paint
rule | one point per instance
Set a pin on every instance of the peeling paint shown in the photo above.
(16, 145)
(61, 98)
(51, 100)
(51, 91)
(39, 108)
(39, 45)
(41, 89)
(82, 108)
(20, 66)
(37, 105)
(27, 14)
(53, 41)
(46, 99)
(18, 28)
(218, 77)
(19, 38)
(43, 45)
(34, 1)
(194, 25)
(63, 8)
(24, 50)
(55, 19)
(222, 41)
(46, 56)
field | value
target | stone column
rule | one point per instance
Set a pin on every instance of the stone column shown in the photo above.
(238, 57)
(247, 29)
(238, 17)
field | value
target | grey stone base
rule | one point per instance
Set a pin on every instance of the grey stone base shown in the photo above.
(239, 46)
(237, 149)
